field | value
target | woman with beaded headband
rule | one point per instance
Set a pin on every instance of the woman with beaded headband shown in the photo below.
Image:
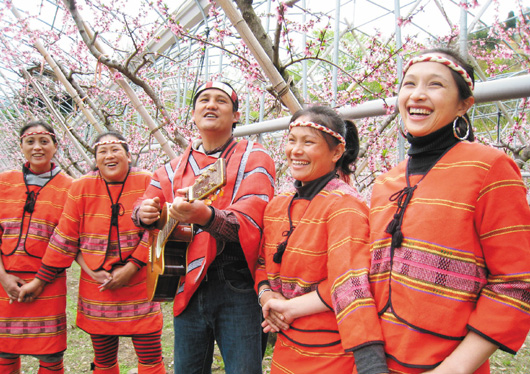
(312, 238)
(32, 201)
(97, 230)
(448, 229)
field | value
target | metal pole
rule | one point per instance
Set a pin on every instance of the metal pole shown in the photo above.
(336, 45)
(61, 77)
(399, 45)
(304, 63)
(463, 28)
(500, 89)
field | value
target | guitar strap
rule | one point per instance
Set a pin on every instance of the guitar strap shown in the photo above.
(228, 151)
(183, 163)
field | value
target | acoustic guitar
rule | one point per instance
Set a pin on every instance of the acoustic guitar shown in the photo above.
(169, 242)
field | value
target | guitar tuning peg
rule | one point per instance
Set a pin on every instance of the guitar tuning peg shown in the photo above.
(208, 201)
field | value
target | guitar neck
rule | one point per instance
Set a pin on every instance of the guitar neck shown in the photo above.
(205, 185)
(169, 224)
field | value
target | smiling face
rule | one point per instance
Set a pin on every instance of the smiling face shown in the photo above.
(38, 149)
(429, 99)
(308, 153)
(214, 116)
(112, 160)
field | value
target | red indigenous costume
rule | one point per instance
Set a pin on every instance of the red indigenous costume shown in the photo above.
(38, 327)
(86, 226)
(463, 262)
(330, 229)
(249, 170)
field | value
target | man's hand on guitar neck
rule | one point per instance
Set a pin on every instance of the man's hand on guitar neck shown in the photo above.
(149, 211)
(190, 212)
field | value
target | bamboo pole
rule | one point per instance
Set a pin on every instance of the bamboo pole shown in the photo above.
(137, 104)
(59, 74)
(278, 83)
(57, 117)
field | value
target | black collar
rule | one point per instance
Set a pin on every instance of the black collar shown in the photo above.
(309, 190)
(426, 150)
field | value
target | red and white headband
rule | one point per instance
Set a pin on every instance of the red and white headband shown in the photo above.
(115, 141)
(444, 61)
(26, 134)
(220, 86)
(322, 128)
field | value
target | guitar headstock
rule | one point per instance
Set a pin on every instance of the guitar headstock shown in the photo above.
(209, 182)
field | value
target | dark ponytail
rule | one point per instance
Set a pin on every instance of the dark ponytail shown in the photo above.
(345, 163)
(327, 117)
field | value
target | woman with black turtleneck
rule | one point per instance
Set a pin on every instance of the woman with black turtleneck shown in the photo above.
(315, 256)
(449, 233)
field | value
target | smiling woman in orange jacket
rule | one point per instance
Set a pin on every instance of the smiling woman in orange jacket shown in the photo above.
(96, 228)
(450, 233)
(31, 204)
(312, 239)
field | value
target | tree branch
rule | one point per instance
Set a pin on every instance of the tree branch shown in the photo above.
(71, 5)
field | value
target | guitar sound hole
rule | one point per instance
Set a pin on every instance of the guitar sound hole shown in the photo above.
(175, 258)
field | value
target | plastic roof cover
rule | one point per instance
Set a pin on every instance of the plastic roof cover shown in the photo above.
(123, 25)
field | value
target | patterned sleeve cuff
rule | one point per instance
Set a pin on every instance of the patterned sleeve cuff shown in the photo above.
(48, 273)
(137, 222)
(322, 299)
(139, 264)
(223, 225)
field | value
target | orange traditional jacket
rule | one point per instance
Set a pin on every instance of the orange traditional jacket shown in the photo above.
(38, 327)
(85, 225)
(463, 264)
(250, 185)
(24, 241)
(327, 252)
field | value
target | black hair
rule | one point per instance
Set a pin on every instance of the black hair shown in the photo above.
(36, 123)
(116, 134)
(327, 117)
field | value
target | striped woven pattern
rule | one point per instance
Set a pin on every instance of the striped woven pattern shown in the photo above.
(460, 268)
(331, 229)
(38, 327)
(84, 227)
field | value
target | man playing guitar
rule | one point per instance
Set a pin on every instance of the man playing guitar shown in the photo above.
(215, 299)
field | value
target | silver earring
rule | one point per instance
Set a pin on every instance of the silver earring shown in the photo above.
(455, 128)
(401, 128)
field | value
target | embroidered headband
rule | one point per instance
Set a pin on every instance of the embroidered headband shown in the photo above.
(115, 141)
(220, 86)
(322, 128)
(444, 61)
(37, 133)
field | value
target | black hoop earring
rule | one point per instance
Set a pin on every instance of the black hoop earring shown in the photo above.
(456, 129)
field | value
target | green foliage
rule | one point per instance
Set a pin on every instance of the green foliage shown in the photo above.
(488, 42)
